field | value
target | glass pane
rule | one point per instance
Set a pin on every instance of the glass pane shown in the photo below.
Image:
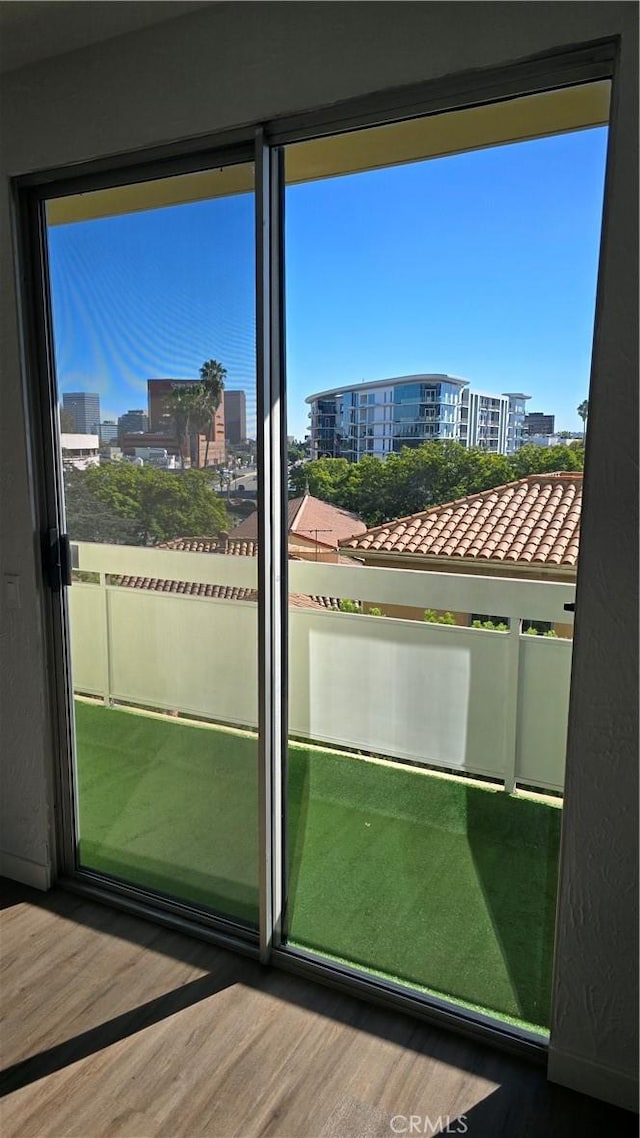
(437, 304)
(154, 323)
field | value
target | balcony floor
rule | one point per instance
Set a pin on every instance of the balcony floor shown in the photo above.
(441, 882)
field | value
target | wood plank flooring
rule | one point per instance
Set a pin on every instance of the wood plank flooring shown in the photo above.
(116, 1028)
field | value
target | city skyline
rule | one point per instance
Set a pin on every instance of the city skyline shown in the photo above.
(535, 412)
(481, 265)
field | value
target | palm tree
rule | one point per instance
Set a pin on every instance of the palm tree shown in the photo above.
(211, 387)
(180, 406)
(583, 411)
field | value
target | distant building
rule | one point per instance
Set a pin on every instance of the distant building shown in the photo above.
(133, 421)
(80, 450)
(315, 529)
(382, 417)
(554, 440)
(108, 431)
(157, 392)
(110, 454)
(161, 423)
(138, 441)
(537, 423)
(483, 420)
(516, 423)
(235, 416)
(84, 406)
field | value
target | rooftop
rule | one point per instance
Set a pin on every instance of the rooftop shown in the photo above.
(535, 520)
(429, 377)
(309, 518)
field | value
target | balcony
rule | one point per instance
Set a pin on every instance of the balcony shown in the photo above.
(425, 761)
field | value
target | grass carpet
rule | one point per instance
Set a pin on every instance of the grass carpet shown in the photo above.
(433, 881)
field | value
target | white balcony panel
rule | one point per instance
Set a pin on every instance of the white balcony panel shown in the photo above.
(189, 654)
(424, 692)
(167, 564)
(543, 704)
(89, 659)
(458, 592)
(461, 699)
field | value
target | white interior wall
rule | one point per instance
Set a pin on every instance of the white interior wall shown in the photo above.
(236, 63)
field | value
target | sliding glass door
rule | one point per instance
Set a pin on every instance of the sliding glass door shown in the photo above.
(153, 312)
(317, 614)
(434, 299)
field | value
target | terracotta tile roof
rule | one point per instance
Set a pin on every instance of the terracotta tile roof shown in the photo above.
(535, 521)
(302, 601)
(221, 544)
(187, 588)
(312, 519)
(218, 592)
(193, 544)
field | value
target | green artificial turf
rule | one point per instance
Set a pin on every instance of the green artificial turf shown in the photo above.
(434, 881)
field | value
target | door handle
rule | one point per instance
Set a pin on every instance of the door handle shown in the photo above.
(57, 559)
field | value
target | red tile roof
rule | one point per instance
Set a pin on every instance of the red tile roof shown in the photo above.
(534, 521)
(312, 519)
(187, 588)
(221, 544)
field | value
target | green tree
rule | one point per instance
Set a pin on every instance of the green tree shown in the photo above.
(159, 504)
(295, 452)
(532, 459)
(91, 518)
(325, 478)
(583, 411)
(416, 478)
(181, 406)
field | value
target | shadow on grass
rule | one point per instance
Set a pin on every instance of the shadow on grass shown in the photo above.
(297, 794)
(515, 848)
(221, 896)
(431, 881)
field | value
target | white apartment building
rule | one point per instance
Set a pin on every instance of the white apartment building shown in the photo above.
(386, 415)
(517, 420)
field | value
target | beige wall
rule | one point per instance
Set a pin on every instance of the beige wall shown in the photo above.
(232, 64)
(310, 550)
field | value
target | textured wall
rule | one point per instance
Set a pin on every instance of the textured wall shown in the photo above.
(237, 63)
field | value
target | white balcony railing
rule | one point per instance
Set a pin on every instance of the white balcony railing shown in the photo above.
(462, 699)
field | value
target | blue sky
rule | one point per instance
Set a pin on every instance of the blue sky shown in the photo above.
(482, 265)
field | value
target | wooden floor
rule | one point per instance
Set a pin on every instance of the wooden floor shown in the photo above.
(116, 1027)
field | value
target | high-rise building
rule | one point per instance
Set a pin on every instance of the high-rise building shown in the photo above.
(386, 415)
(84, 406)
(537, 423)
(108, 431)
(235, 416)
(157, 392)
(209, 452)
(133, 421)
